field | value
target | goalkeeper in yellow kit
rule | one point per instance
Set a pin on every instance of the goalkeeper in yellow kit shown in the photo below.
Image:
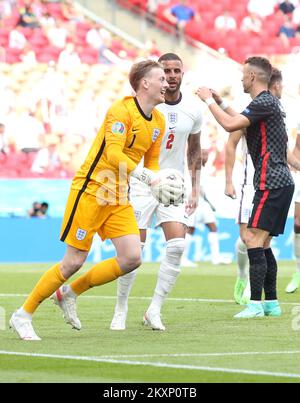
(98, 201)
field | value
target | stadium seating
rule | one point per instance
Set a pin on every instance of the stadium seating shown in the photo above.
(23, 80)
(266, 43)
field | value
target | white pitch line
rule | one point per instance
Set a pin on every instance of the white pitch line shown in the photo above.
(156, 364)
(137, 298)
(205, 300)
(233, 354)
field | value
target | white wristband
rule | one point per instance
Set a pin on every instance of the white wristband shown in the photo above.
(143, 174)
(210, 101)
(224, 105)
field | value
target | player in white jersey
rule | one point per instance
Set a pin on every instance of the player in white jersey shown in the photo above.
(183, 124)
(245, 198)
(204, 214)
(294, 284)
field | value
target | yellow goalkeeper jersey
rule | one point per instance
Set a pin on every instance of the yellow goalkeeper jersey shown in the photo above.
(125, 137)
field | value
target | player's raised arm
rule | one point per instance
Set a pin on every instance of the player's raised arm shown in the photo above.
(228, 122)
(230, 156)
(223, 103)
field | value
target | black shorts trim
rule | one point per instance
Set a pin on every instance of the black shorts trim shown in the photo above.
(270, 209)
(82, 190)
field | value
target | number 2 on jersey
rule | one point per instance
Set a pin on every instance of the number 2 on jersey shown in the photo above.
(170, 141)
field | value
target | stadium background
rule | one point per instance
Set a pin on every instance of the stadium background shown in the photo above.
(58, 81)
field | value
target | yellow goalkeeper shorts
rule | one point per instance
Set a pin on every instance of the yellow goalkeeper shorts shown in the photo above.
(84, 216)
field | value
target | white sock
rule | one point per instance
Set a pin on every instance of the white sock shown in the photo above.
(125, 284)
(123, 290)
(168, 272)
(242, 259)
(297, 251)
(255, 302)
(213, 240)
(24, 314)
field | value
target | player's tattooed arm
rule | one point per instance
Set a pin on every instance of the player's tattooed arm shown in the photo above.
(194, 160)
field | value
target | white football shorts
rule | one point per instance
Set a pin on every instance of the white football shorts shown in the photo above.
(146, 208)
(204, 214)
(245, 203)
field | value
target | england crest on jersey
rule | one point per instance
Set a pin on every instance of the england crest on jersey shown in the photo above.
(80, 234)
(155, 134)
(172, 117)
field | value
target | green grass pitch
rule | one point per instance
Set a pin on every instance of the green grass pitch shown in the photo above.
(202, 343)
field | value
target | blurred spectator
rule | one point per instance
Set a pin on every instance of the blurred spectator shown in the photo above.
(17, 39)
(152, 6)
(252, 23)
(214, 142)
(44, 209)
(47, 21)
(262, 7)
(70, 13)
(27, 131)
(57, 35)
(68, 58)
(180, 14)
(287, 7)
(27, 18)
(287, 30)
(38, 210)
(225, 22)
(100, 39)
(3, 143)
(34, 210)
(151, 50)
(6, 8)
(296, 16)
(50, 94)
(47, 159)
(97, 37)
(28, 56)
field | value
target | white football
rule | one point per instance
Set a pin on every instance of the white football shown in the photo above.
(168, 187)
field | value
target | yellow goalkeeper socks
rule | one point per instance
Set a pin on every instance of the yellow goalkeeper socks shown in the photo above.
(46, 286)
(101, 273)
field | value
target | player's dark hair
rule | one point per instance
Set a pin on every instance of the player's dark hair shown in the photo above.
(263, 65)
(275, 77)
(168, 57)
(140, 70)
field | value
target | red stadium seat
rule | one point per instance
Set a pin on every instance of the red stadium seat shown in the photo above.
(4, 36)
(13, 55)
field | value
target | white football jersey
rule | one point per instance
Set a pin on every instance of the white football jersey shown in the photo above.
(248, 167)
(183, 118)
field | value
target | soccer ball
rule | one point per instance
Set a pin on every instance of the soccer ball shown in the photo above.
(168, 187)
